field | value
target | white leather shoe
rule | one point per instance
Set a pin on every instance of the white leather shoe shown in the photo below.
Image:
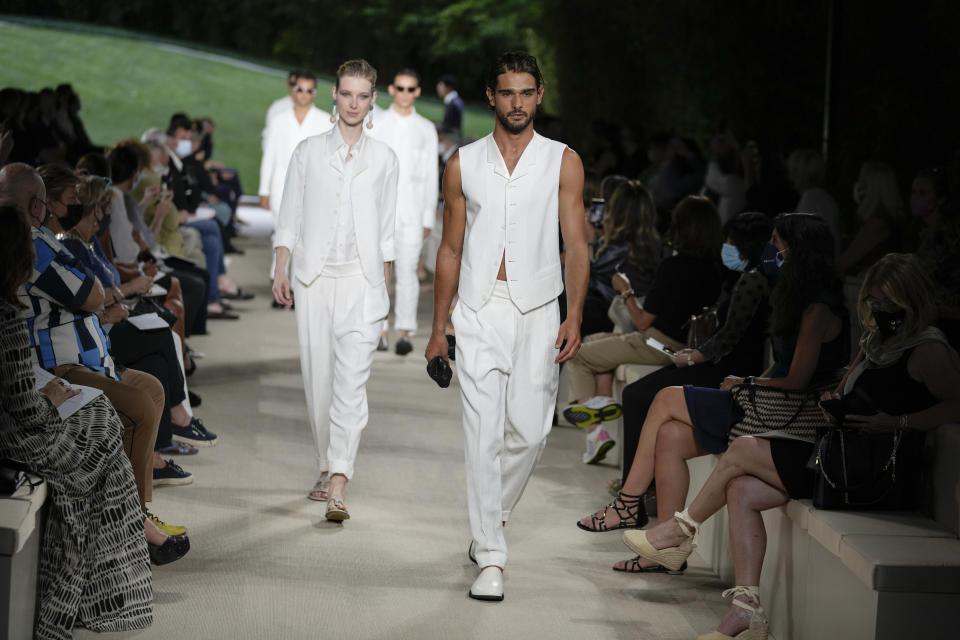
(488, 585)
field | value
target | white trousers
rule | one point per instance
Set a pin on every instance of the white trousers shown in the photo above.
(508, 385)
(407, 294)
(336, 352)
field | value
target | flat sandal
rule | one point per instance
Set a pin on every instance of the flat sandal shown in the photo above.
(336, 510)
(630, 514)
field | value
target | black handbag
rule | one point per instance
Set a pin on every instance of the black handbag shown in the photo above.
(12, 477)
(702, 326)
(857, 469)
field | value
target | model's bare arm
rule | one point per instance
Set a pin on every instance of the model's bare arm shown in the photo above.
(448, 256)
(577, 262)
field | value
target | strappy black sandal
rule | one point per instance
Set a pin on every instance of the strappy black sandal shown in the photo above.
(631, 514)
(633, 566)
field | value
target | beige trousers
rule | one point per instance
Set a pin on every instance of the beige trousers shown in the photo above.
(604, 352)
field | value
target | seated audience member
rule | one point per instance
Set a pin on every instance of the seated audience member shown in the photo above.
(880, 214)
(737, 346)
(684, 284)
(63, 300)
(187, 196)
(152, 351)
(724, 177)
(93, 568)
(911, 377)
(808, 336)
(807, 174)
(630, 244)
(595, 213)
(939, 246)
(126, 161)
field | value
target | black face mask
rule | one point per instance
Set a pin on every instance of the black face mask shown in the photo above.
(74, 215)
(889, 322)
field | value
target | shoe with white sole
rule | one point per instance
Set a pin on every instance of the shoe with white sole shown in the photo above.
(596, 409)
(488, 585)
(599, 444)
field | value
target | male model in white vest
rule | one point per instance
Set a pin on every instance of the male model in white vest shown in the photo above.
(337, 219)
(504, 196)
(414, 139)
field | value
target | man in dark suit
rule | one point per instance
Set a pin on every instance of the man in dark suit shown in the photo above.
(453, 114)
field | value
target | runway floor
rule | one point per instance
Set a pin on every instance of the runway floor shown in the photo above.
(264, 562)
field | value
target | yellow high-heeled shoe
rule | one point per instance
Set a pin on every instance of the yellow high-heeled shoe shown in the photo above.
(759, 625)
(671, 557)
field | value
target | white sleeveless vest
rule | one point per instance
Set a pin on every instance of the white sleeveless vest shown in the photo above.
(511, 216)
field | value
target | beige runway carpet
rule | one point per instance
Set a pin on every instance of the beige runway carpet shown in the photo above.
(265, 563)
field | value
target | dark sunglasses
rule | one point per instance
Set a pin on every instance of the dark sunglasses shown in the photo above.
(402, 89)
(302, 90)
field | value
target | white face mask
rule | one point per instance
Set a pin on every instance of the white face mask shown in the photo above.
(161, 169)
(184, 147)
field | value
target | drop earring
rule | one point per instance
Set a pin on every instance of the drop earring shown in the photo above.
(370, 118)
(334, 115)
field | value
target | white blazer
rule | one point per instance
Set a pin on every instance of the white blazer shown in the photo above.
(414, 139)
(281, 137)
(308, 212)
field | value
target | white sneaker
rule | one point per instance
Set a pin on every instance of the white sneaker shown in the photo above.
(596, 409)
(488, 585)
(599, 443)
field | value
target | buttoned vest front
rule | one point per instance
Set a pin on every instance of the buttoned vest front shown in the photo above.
(514, 217)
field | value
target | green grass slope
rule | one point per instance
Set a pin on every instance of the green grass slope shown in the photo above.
(128, 84)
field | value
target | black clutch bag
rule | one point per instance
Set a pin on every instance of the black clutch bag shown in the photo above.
(440, 371)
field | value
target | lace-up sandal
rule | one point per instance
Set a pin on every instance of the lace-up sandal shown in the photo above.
(628, 510)
(759, 627)
(633, 566)
(672, 557)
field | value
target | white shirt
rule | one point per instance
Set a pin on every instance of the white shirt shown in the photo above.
(450, 97)
(125, 248)
(730, 187)
(283, 135)
(344, 248)
(278, 105)
(414, 139)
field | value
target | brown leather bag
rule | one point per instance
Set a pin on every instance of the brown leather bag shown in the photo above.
(701, 326)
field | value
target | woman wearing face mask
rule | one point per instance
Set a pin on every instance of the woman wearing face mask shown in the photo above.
(736, 346)
(912, 378)
(807, 323)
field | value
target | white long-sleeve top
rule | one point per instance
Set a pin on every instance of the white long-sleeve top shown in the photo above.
(283, 134)
(312, 206)
(414, 139)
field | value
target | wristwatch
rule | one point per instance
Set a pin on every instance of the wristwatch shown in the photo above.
(748, 380)
(629, 293)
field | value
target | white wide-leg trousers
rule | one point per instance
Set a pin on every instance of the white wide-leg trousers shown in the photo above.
(407, 293)
(508, 384)
(336, 352)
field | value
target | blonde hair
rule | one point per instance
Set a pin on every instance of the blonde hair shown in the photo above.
(93, 191)
(901, 278)
(882, 195)
(358, 68)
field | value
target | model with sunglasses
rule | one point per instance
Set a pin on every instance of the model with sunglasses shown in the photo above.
(505, 197)
(414, 139)
(337, 220)
(285, 129)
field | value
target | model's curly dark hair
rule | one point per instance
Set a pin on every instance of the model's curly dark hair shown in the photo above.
(808, 272)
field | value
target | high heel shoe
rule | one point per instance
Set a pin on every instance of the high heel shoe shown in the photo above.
(672, 557)
(759, 627)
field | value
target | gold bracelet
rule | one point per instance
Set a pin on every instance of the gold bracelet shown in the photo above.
(627, 294)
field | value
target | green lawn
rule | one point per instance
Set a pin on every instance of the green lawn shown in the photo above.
(128, 84)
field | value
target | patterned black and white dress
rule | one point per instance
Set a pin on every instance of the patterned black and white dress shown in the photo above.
(94, 566)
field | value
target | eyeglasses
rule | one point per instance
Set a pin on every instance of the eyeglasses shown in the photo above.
(302, 90)
(402, 89)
